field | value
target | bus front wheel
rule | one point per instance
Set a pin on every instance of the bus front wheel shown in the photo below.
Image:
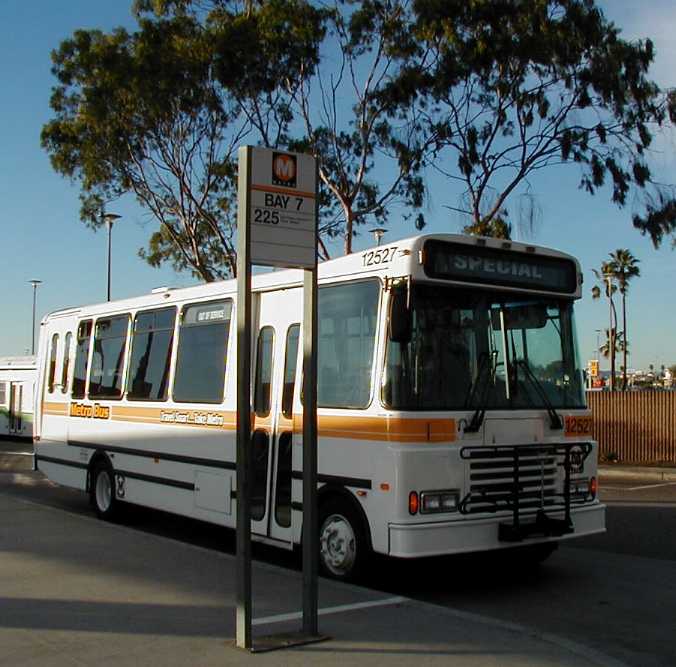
(103, 491)
(343, 545)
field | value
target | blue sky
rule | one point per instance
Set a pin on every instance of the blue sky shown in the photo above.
(41, 235)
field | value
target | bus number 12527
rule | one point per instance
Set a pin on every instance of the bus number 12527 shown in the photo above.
(451, 405)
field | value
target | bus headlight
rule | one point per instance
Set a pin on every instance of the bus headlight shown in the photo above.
(432, 502)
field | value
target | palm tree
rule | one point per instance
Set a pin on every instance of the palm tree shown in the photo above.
(624, 267)
(618, 340)
(609, 350)
(608, 287)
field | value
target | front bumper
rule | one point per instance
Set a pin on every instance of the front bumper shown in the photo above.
(481, 534)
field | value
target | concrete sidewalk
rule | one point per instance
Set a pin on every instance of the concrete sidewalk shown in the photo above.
(648, 473)
(78, 591)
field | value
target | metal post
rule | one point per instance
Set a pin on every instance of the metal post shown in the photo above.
(109, 219)
(598, 344)
(109, 224)
(310, 517)
(243, 558)
(35, 284)
(310, 510)
(378, 234)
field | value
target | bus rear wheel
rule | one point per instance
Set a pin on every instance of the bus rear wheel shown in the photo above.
(102, 492)
(343, 546)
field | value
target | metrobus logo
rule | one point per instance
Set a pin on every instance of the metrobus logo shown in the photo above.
(95, 411)
(284, 169)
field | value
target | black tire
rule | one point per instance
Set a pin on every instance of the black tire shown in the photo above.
(344, 549)
(102, 491)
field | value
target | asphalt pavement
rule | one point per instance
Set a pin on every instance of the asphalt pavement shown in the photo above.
(78, 591)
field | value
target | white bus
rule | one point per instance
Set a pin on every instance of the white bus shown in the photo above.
(451, 406)
(17, 388)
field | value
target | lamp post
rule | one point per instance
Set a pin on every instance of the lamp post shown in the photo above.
(378, 234)
(598, 343)
(109, 219)
(35, 284)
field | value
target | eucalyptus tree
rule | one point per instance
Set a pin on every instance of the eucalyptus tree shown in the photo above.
(624, 267)
(159, 113)
(608, 288)
(367, 139)
(517, 88)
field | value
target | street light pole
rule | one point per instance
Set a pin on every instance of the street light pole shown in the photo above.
(598, 343)
(378, 234)
(35, 284)
(109, 219)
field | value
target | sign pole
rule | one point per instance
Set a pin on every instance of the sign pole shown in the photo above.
(310, 518)
(243, 559)
(277, 226)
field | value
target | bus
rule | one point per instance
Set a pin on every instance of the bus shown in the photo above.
(451, 406)
(17, 387)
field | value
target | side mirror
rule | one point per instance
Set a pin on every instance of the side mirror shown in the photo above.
(400, 315)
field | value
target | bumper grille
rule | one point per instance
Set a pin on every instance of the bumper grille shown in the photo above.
(520, 478)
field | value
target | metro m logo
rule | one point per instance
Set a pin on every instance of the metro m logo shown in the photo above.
(284, 170)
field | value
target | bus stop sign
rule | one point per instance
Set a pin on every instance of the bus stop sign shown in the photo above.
(283, 214)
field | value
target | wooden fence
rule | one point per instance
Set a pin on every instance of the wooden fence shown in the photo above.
(635, 426)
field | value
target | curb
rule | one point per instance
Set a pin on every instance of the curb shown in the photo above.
(637, 472)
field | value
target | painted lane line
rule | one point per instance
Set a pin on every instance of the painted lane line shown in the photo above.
(638, 488)
(279, 618)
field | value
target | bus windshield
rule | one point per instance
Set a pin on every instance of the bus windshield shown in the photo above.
(484, 349)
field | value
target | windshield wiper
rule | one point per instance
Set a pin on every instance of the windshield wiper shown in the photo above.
(555, 422)
(478, 416)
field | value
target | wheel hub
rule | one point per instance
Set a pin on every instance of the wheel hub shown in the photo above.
(337, 544)
(103, 491)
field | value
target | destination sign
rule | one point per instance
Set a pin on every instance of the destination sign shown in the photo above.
(494, 266)
(207, 313)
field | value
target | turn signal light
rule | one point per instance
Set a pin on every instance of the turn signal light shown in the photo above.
(593, 487)
(413, 502)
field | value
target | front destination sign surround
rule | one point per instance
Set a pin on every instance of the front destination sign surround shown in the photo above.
(282, 203)
(495, 266)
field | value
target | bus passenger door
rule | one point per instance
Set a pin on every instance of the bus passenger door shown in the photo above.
(276, 354)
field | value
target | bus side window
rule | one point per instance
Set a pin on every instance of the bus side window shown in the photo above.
(201, 355)
(52, 363)
(110, 342)
(3, 393)
(263, 384)
(347, 319)
(66, 362)
(150, 357)
(290, 362)
(84, 334)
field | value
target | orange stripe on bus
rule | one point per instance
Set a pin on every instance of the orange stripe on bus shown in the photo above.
(387, 429)
(52, 408)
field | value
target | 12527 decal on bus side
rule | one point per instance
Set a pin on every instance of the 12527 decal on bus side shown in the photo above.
(380, 256)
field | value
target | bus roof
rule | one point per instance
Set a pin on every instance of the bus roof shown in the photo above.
(395, 259)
